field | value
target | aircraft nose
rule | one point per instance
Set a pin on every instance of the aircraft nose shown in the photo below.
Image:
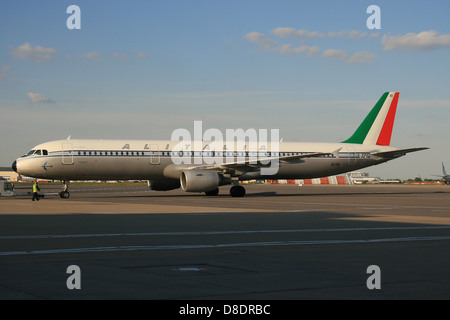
(14, 166)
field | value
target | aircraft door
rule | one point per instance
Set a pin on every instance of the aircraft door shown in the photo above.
(67, 153)
(154, 154)
(351, 155)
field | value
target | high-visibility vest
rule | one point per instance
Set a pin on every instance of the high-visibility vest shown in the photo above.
(35, 187)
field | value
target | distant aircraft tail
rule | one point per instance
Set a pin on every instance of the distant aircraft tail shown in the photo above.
(378, 124)
(443, 170)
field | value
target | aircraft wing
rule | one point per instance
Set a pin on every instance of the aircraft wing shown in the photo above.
(253, 165)
(396, 153)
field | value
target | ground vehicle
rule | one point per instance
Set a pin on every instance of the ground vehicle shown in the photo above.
(6, 188)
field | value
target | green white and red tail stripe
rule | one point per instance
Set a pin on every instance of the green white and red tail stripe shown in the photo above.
(377, 126)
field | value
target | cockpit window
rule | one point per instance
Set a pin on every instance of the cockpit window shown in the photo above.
(37, 153)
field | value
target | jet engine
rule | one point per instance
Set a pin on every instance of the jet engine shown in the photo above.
(200, 180)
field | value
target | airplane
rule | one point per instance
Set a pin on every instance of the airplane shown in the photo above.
(444, 176)
(89, 159)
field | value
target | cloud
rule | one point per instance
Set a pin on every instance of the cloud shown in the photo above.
(361, 57)
(425, 40)
(293, 33)
(284, 32)
(39, 98)
(373, 35)
(142, 54)
(270, 45)
(93, 55)
(260, 40)
(353, 34)
(37, 53)
(357, 57)
(288, 50)
(121, 56)
(4, 73)
(335, 54)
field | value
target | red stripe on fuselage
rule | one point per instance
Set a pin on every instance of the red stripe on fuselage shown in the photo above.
(384, 138)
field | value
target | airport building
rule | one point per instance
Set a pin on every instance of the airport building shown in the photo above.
(361, 177)
(8, 174)
(350, 178)
(334, 180)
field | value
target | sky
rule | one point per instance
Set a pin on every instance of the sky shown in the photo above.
(141, 69)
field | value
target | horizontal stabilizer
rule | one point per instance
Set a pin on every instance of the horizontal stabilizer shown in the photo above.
(396, 153)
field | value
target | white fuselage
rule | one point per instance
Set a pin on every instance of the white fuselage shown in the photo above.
(153, 160)
(203, 166)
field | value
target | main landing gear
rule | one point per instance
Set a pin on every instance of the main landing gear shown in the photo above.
(65, 193)
(214, 192)
(235, 191)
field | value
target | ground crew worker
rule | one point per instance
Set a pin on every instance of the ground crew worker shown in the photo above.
(35, 191)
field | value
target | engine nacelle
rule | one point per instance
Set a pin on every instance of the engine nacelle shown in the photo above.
(199, 180)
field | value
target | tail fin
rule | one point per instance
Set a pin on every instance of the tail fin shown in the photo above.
(377, 126)
(443, 170)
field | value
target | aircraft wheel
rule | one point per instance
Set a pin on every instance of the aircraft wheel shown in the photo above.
(64, 194)
(212, 192)
(237, 191)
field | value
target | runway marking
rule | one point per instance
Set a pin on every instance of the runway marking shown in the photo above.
(218, 246)
(332, 204)
(193, 233)
(381, 208)
(305, 210)
(402, 219)
(18, 212)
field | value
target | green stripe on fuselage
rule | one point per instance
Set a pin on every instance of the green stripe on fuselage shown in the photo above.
(364, 128)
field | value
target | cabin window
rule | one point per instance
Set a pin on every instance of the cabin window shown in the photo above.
(44, 152)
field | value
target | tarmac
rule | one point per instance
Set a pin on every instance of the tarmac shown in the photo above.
(279, 242)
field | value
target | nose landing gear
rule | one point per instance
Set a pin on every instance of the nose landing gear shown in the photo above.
(65, 193)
